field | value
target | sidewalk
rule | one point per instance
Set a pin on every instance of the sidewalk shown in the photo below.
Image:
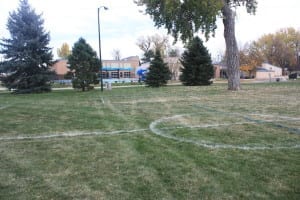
(243, 81)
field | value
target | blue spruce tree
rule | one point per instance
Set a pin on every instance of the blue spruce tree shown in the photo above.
(27, 57)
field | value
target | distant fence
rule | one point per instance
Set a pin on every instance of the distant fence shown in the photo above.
(120, 80)
(64, 81)
(108, 80)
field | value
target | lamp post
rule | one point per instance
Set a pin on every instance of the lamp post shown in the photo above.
(297, 68)
(101, 78)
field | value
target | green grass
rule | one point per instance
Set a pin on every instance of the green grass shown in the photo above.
(141, 164)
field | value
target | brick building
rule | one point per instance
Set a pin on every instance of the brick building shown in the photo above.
(60, 68)
(112, 69)
(120, 69)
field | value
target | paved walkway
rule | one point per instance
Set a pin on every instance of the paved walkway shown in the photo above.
(176, 83)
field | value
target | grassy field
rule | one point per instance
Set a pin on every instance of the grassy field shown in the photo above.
(140, 143)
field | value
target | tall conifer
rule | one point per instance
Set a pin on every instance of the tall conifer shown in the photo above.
(197, 65)
(85, 65)
(27, 57)
(159, 73)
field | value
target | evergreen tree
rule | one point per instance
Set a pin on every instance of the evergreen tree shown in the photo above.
(185, 18)
(159, 73)
(197, 65)
(148, 55)
(27, 57)
(85, 65)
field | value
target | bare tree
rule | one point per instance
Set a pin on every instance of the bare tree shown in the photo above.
(174, 52)
(151, 44)
(116, 53)
(160, 43)
(144, 43)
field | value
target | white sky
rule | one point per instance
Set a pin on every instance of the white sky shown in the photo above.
(123, 24)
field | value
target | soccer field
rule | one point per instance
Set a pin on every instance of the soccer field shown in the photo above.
(173, 142)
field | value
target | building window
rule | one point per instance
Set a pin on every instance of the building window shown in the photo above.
(121, 74)
(114, 75)
(105, 74)
(126, 74)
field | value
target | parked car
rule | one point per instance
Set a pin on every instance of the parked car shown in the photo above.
(293, 76)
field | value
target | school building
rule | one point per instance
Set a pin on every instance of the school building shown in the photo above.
(123, 69)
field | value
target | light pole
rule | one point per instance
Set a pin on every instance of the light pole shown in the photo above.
(101, 78)
(298, 56)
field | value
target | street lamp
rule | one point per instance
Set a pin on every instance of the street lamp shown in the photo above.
(101, 78)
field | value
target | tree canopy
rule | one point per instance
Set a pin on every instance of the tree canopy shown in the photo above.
(280, 48)
(185, 18)
(27, 57)
(150, 44)
(64, 51)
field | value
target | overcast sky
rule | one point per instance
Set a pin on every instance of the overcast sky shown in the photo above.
(122, 24)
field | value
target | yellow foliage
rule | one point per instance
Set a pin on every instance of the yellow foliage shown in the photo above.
(246, 68)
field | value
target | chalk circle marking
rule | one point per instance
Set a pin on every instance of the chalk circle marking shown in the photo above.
(208, 144)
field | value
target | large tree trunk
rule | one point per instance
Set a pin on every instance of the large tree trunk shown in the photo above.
(232, 55)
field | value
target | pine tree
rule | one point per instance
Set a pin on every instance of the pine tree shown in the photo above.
(85, 65)
(159, 73)
(185, 18)
(197, 65)
(27, 57)
(148, 55)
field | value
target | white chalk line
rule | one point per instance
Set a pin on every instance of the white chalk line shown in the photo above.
(208, 144)
(218, 125)
(160, 132)
(71, 134)
(102, 100)
(280, 117)
(4, 107)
